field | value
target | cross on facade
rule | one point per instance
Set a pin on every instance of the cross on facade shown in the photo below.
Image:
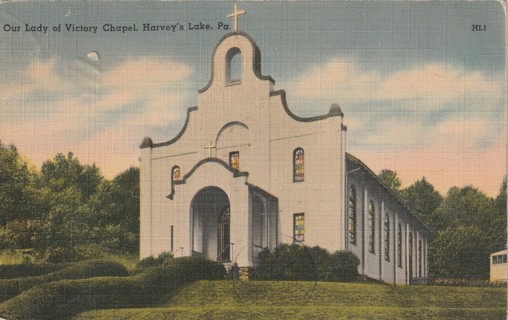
(235, 15)
(210, 146)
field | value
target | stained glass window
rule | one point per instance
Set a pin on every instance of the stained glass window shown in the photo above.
(176, 173)
(372, 223)
(399, 246)
(352, 215)
(298, 165)
(175, 176)
(299, 227)
(387, 237)
(234, 160)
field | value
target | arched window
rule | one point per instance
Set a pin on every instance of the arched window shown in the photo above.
(372, 224)
(234, 65)
(352, 215)
(420, 258)
(410, 255)
(399, 246)
(387, 237)
(298, 165)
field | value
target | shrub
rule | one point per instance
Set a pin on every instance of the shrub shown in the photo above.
(60, 255)
(342, 266)
(80, 270)
(287, 262)
(153, 262)
(61, 299)
(462, 282)
(296, 262)
(10, 271)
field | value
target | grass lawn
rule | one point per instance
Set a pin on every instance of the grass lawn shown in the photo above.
(13, 256)
(19, 256)
(309, 300)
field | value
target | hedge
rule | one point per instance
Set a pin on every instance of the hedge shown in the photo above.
(85, 269)
(11, 271)
(62, 299)
(298, 262)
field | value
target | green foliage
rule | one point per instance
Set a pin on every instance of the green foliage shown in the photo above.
(18, 193)
(469, 229)
(60, 299)
(286, 262)
(464, 282)
(163, 258)
(10, 271)
(422, 199)
(86, 269)
(342, 266)
(9, 239)
(390, 179)
(296, 262)
(460, 251)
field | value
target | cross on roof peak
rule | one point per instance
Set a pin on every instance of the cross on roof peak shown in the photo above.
(235, 15)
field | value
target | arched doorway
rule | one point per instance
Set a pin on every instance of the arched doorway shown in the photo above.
(210, 214)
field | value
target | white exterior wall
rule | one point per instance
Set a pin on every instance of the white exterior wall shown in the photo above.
(247, 116)
(374, 264)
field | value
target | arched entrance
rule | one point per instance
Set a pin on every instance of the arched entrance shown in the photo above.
(210, 214)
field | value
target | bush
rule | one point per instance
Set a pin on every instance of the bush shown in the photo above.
(10, 271)
(86, 269)
(466, 282)
(342, 266)
(287, 262)
(153, 262)
(61, 299)
(296, 262)
(61, 255)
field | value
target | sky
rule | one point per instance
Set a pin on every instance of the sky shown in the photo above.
(422, 93)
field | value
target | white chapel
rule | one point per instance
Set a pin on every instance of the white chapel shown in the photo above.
(245, 173)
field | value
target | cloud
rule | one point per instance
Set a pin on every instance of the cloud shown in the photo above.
(436, 120)
(347, 82)
(99, 114)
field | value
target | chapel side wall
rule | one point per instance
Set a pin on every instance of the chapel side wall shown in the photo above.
(374, 264)
(319, 196)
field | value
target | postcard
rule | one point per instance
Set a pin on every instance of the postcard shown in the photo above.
(253, 159)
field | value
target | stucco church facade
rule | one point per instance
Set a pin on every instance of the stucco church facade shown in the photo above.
(245, 173)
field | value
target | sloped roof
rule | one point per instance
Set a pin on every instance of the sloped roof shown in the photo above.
(354, 160)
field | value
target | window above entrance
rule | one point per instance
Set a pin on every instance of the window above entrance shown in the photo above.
(234, 67)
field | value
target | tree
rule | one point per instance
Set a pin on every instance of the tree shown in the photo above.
(468, 228)
(465, 206)
(129, 194)
(390, 178)
(66, 171)
(422, 199)
(17, 190)
(459, 252)
(113, 212)
(66, 187)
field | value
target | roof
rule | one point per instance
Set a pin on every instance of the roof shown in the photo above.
(355, 160)
(504, 251)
